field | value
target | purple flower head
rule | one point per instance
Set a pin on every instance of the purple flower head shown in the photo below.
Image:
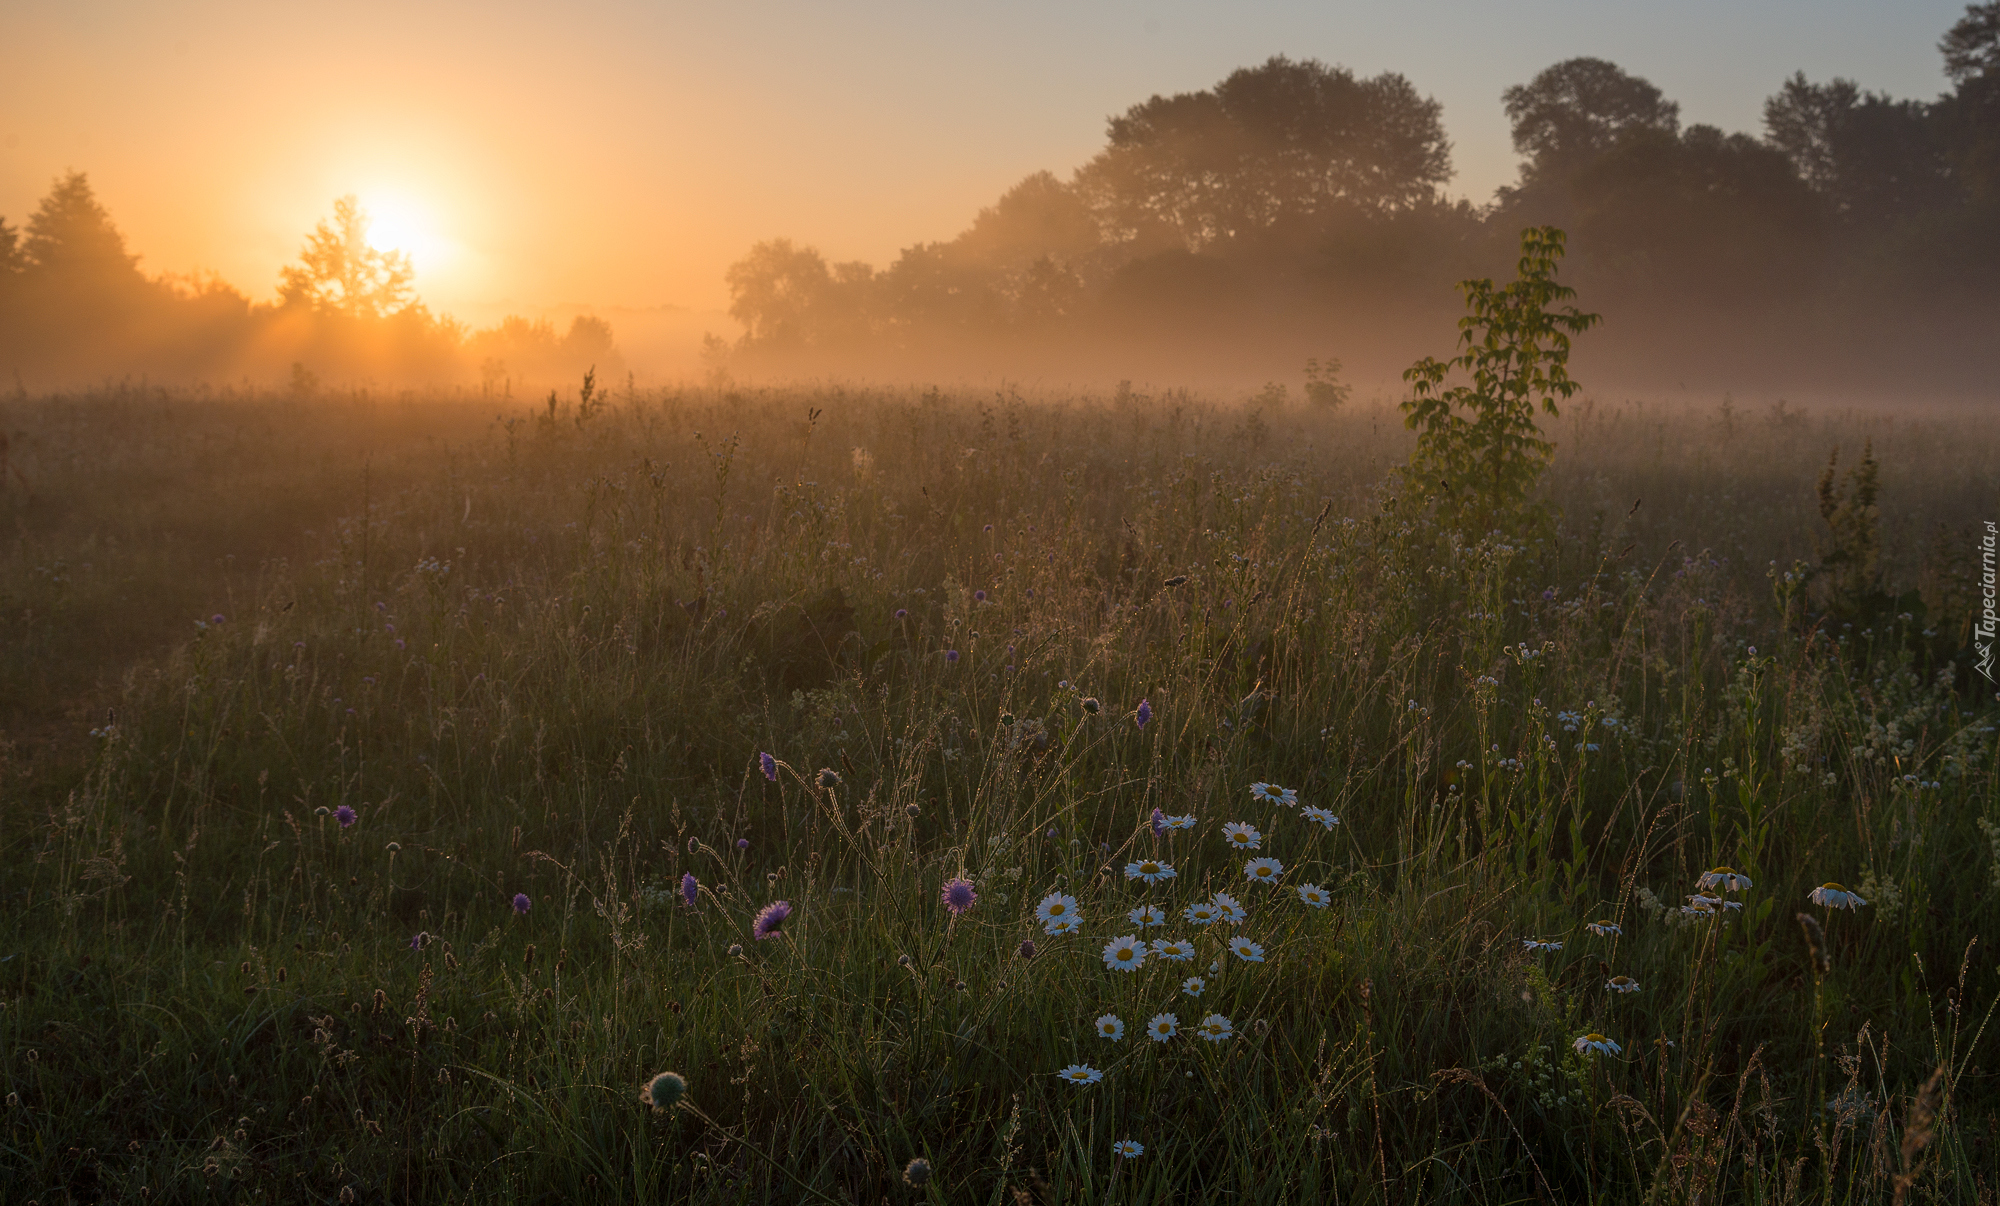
(978, 596)
(902, 613)
(1145, 714)
(521, 903)
(1159, 822)
(216, 618)
(345, 816)
(419, 940)
(1027, 948)
(951, 656)
(769, 918)
(742, 843)
(688, 888)
(770, 766)
(958, 896)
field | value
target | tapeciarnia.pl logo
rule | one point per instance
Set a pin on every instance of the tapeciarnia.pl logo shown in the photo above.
(1983, 629)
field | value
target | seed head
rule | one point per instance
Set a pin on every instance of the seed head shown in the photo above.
(664, 1091)
(917, 1173)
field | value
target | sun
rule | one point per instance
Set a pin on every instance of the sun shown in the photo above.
(397, 223)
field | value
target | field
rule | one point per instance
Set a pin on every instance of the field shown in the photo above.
(387, 803)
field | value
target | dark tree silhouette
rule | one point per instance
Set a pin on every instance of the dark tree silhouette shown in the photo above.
(1576, 110)
(1971, 48)
(339, 273)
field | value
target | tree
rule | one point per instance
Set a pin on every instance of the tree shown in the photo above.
(1574, 111)
(12, 258)
(1877, 161)
(1269, 148)
(71, 238)
(1972, 47)
(1039, 217)
(786, 296)
(340, 273)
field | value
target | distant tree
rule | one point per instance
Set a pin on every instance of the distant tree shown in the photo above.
(1270, 148)
(1039, 217)
(1576, 110)
(1048, 295)
(1877, 161)
(1803, 119)
(339, 273)
(71, 238)
(1972, 47)
(787, 296)
(12, 258)
(932, 287)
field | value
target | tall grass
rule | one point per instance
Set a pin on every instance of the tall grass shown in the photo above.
(542, 656)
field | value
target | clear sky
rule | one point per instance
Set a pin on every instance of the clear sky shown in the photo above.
(624, 152)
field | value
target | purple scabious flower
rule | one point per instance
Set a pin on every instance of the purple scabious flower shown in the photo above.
(1159, 822)
(345, 816)
(689, 886)
(1027, 948)
(769, 918)
(216, 618)
(951, 657)
(521, 903)
(978, 596)
(742, 843)
(770, 766)
(902, 613)
(1145, 714)
(958, 896)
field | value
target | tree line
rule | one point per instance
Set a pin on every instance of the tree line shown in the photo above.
(75, 304)
(1298, 200)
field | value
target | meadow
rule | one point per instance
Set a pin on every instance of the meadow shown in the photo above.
(399, 785)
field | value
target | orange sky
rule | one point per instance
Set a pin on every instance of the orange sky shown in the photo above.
(622, 153)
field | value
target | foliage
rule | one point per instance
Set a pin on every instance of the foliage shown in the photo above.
(1580, 108)
(1515, 350)
(339, 272)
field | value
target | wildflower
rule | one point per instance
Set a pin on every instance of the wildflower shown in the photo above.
(828, 777)
(770, 918)
(1181, 822)
(1180, 950)
(1725, 878)
(1604, 928)
(1232, 912)
(1532, 945)
(1055, 906)
(769, 766)
(979, 596)
(1246, 950)
(345, 816)
(1144, 715)
(951, 657)
(1163, 1027)
(742, 843)
(1622, 984)
(1288, 796)
(1081, 1074)
(1027, 948)
(1321, 815)
(958, 896)
(1215, 1028)
(1090, 705)
(1242, 836)
(1158, 822)
(393, 847)
(1595, 1042)
(688, 888)
(1151, 870)
(1314, 895)
(1709, 902)
(1125, 954)
(663, 1091)
(1128, 1149)
(735, 949)
(902, 613)
(419, 940)
(1833, 896)
(1193, 985)
(1146, 915)
(1202, 913)
(1110, 1027)
(917, 1173)
(1263, 870)
(1063, 925)
(521, 902)
(1267, 793)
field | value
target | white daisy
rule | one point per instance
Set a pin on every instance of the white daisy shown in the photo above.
(1193, 985)
(1124, 954)
(1151, 870)
(1595, 1042)
(1289, 796)
(1833, 896)
(1180, 950)
(1146, 915)
(1055, 905)
(1622, 984)
(1128, 1149)
(1321, 815)
(1536, 944)
(1267, 793)
(1183, 822)
(1110, 1027)
(1263, 870)
(1163, 1027)
(1080, 1074)
(1726, 878)
(1246, 950)
(1216, 1028)
(1314, 895)
(1232, 912)
(1241, 836)
(1603, 928)
(1063, 925)
(1202, 913)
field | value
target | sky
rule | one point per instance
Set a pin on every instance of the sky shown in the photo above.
(620, 154)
